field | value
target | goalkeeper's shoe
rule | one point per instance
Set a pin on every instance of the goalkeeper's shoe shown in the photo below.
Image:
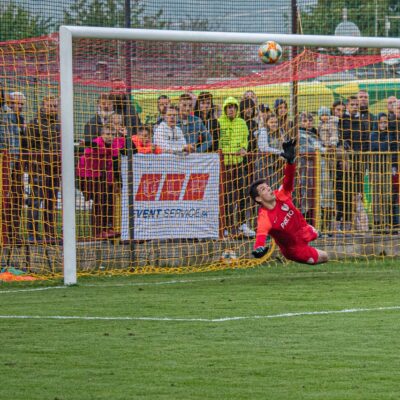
(260, 251)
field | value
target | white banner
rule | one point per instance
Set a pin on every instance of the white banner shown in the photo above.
(174, 196)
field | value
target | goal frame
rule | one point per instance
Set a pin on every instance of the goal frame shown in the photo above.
(66, 36)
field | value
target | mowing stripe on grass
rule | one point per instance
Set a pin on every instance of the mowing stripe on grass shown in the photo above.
(173, 282)
(223, 319)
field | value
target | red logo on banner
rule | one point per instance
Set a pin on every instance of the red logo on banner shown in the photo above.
(196, 187)
(172, 187)
(148, 187)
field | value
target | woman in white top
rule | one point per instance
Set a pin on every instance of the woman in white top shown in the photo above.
(269, 141)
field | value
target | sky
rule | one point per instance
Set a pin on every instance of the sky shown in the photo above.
(271, 16)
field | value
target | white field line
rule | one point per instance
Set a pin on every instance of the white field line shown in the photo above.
(223, 319)
(32, 289)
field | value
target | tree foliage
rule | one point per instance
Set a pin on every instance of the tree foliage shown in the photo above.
(323, 18)
(111, 13)
(16, 22)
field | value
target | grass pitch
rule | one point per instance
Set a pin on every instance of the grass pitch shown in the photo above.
(288, 332)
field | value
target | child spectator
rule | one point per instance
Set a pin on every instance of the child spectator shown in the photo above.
(143, 142)
(118, 122)
(97, 180)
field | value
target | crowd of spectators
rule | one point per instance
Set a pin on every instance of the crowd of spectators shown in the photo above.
(339, 146)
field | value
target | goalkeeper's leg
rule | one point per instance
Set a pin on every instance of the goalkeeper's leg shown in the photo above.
(306, 255)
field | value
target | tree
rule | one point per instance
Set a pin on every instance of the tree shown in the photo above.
(111, 13)
(323, 18)
(16, 22)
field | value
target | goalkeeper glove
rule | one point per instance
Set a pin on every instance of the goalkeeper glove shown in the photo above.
(260, 251)
(289, 150)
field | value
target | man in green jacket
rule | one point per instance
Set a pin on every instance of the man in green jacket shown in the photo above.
(233, 143)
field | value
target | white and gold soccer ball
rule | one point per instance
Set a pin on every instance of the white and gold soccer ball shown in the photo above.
(270, 52)
(228, 256)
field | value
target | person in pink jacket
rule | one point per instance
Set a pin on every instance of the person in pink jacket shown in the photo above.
(97, 173)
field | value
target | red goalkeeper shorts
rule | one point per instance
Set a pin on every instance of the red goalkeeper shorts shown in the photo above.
(302, 254)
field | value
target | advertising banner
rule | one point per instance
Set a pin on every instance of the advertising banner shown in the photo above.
(174, 196)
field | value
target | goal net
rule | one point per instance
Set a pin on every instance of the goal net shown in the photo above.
(154, 178)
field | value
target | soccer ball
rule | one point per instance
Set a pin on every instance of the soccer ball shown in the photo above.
(228, 257)
(270, 52)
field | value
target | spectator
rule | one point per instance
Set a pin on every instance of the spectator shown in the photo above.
(367, 118)
(193, 129)
(44, 167)
(247, 109)
(328, 128)
(309, 143)
(142, 141)
(169, 137)
(248, 113)
(384, 143)
(269, 140)
(98, 180)
(354, 131)
(282, 112)
(206, 111)
(13, 141)
(233, 144)
(264, 113)
(380, 138)
(355, 140)
(272, 138)
(122, 104)
(391, 100)
(380, 144)
(163, 102)
(250, 94)
(328, 135)
(104, 111)
(338, 109)
(118, 122)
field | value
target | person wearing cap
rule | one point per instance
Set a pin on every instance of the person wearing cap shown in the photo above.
(327, 127)
(233, 144)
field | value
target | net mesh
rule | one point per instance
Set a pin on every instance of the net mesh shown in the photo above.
(181, 203)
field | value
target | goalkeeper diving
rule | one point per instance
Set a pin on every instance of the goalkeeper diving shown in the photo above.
(281, 220)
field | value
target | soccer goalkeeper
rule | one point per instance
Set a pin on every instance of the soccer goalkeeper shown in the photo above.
(280, 219)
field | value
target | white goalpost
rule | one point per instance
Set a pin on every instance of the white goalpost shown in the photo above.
(66, 36)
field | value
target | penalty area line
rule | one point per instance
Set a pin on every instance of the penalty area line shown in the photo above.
(214, 320)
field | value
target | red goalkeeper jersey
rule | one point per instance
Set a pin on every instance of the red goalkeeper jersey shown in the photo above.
(285, 223)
